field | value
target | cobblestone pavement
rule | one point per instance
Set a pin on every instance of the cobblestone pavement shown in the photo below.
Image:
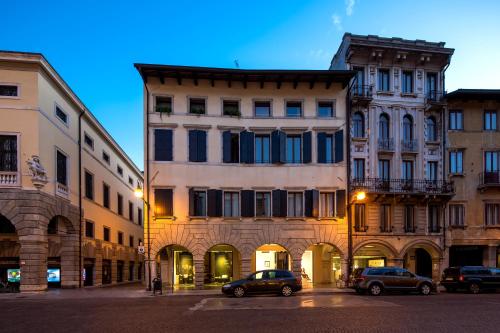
(335, 312)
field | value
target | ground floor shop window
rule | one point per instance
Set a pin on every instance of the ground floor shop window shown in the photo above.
(220, 266)
(119, 271)
(272, 256)
(183, 268)
(106, 271)
(88, 272)
(131, 271)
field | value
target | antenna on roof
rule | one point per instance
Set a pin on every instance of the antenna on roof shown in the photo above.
(236, 63)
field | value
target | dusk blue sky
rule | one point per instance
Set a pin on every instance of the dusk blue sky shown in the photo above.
(93, 44)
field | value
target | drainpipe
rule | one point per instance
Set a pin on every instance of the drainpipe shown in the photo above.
(80, 208)
(348, 181)
(444, 142)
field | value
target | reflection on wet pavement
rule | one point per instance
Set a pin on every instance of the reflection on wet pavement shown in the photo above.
(294, 302)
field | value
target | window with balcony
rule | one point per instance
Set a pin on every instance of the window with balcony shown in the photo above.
(62, 168)
(359, 169)
(456, 120)
(457, 213)
(384, 80)
(431, 133)
(407, 128)
(490, 120)
(360, 217)
(262, 204)
(359, 81)
(492, 214)
(295, 204)
(491, 173)
(407, 170)
(9, 90)
(407, 82)
(326, 109)
(409, 218)
(262, 109)
(434, 213)
(163, 104)
(262, 148)
(432, 171)
(358, 125)
(385, 218)
(327, 204)
(431, 87)
(456, 162)
(8, 153)
(231, 204)
(383, 129)
(197, 106)
(294, 148)
(293, 109)
(384, 169)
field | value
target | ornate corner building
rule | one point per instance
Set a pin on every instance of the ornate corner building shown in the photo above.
(396, 151)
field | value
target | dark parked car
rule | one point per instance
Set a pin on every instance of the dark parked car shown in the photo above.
(262, 282)
(471, 278)
(375, 280)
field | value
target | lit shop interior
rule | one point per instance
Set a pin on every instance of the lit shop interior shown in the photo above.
(321, 265)
(221, 265)
(175, 264)
(370, 256)
(271, 256)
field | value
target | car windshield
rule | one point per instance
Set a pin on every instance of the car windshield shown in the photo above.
(256, 276)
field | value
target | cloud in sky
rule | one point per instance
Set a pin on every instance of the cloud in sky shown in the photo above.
(337, 21)
(349, 6)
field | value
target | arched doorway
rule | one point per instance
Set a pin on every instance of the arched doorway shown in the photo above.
(9, 253)
(222, 265)
(321, 265)
(420, 258)
(271, 256)
(423, 265)
(372, 255)
(62, 257)
(175, 266)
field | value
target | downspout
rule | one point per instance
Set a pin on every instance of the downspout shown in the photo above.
(146, 181)
(80, 208)
(348, 175)
(443, 153)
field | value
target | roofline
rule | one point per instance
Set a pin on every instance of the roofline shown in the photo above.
(40, 59)
(471, 94)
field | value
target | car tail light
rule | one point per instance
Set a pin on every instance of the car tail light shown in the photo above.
(461, 278)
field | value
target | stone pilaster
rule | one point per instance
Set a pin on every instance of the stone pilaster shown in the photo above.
(246, 267)
(98, 263)
(70, 268)
(297, 265)
(199, 272)
(33, 260)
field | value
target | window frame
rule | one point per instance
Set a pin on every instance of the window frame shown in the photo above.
(131, 211)
(461, 210)
(205, 100)
(494, 124)
(261, 135)
(404, 89)
(155, 102)
(301, 102)
(108, 206)
(270, 101)
(355, 168)
(205, 204)
(67, 168)
(360, 122)
(497, 213)
(450, 169)
(379, 79)
(230, 100)
(18, 90)
(104, 233)
(119, 170)
(295, 194)
(18, 153)
(85, 172)
(270, 213)
(427, 129)
(119, 236)
(87, 223)
(119, 204)
(332, 102)
(87, 136)
(294, 136)
(60, 108)
(235, 193)
(334, 202)
(104, 155)
(453, 114)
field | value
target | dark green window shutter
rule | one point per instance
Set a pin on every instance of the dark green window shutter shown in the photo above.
(164, 202)
(247, 143)
(193, 146)
(340, 196)
(278, 147)
(214, 203)
(226, 146)
(306, 147)
(163, 145)
(247, 203)
(339, 146)
(191, 202)
(202, 146)
(279, 203)
(321, 147)
(311, 203)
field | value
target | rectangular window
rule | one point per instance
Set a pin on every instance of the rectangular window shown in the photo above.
(492, 214)
(293, 148)
(327, 204)
(262, 204)
(89, 229)
(409, 218)
(164, 202)
(120, 237)
(385, 218)
(456, 120)
(8, 153)
(262, 109)
(359, 217)
(62, 166)
(197, 106)
(131, 241)
(131, 211)
(9, 90)
(456, 162)
(197, 146)
(407, 82)
(88, 141)
(119, 169)
(294, 109)
(89, 185)
(432, 170)
(163, 104)
(131, 181)
(139, 216)
(383, 80)
(231, 108)
(163, 144)
(434, 218)
(120, 204)
(407, 170)
(326, 109)
(490, 120)
(61, 115)
(384, 169)
(231, 204)
(106, 234)
(457, 215)
(105, 195)
(262, 148)
(235, 148)
(359, 169)
(295, 204)
(105, 157)
(200, 203)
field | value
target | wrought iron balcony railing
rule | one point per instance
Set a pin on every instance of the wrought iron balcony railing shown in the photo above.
(386, 144)
(435, 96)
(409, 146)
(489, 179)
(403, 186)
(361, 90)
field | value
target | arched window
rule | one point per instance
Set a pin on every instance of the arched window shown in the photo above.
(407, 128)
(358, 125)
(6, 227)
(431, 129)
(383, 128)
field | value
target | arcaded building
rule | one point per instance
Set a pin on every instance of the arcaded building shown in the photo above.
(472, 155)
(68, 214)
(244, 170)
(396, 152)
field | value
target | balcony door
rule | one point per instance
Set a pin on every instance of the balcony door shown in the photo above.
(360, 80)
(491, 167)
(431, 86)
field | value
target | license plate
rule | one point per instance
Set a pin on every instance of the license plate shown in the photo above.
(449, 279)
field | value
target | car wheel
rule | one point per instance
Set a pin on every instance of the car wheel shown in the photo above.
(375, 289)
(286, 291)
(425, 289)
(239, 292)
(474, 288)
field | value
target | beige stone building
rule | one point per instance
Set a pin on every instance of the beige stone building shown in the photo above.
(396, 151)
(68, 214)
(473, 150)
(244, 170)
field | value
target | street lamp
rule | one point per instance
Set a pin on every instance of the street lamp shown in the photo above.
(139, 193)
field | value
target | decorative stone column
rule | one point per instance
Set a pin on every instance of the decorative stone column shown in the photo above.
(246, 267)
(344, 266)
(70, 268)
(437, 268)
(98, 263)
(199, 271)
(297, 265)
(33, 260)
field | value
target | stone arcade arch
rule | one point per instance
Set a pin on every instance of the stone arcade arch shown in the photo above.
(9, 251)
(374, 253)
(222, 264)
(322, 264)
(422, 257)
(175, 264)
